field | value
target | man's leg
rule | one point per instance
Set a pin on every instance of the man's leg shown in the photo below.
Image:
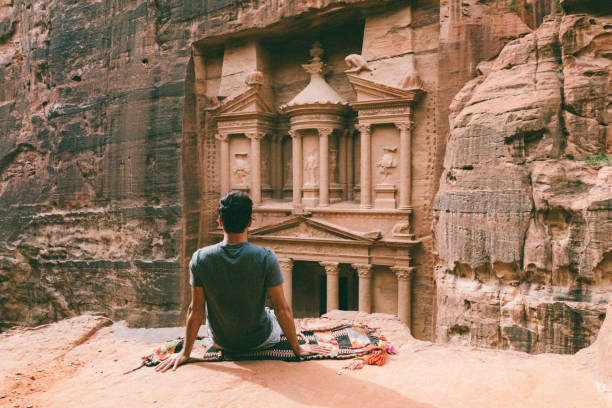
(275, 335)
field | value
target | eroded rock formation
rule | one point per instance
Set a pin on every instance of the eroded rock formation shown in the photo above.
(524, 213)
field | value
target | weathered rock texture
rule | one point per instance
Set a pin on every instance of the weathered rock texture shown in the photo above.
(524, 223)
(104, 155)
(100, 172)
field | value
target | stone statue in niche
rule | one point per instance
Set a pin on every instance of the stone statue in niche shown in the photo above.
(356, 63)
(241, 168)
(265, 163)
(311, 166)
(287, 173)
(387, 163)
(333, 164)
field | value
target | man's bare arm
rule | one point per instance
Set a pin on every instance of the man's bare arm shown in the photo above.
(285, 316)
(195, 314)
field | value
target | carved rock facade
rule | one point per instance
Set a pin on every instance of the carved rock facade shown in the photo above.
(523, 221)
(121, 123)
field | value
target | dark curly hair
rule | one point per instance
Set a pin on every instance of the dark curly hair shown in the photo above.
(235, 210)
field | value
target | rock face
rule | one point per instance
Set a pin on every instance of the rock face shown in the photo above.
(109, 168)
(100, 172)
(523, 215)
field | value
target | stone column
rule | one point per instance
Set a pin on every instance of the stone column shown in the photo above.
(364, 271)
(296, 158)
(324, 166)
(342, 163)
(331, 270)
(286, 267)
(366, 167)
(404, 274)
(405, 162)
(276, 158)
(350, 164)
(255, 166)
(225, 163)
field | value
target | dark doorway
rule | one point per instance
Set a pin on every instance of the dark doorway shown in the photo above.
(309, 289)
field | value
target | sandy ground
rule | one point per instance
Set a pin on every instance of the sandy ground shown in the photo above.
(79, 363)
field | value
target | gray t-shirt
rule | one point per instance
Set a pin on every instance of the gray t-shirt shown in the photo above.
(235, 278)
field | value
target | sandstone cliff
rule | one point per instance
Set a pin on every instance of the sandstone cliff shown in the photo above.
(100, 186)
(523, 217)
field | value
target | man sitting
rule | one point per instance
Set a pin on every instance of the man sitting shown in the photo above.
(231, 278)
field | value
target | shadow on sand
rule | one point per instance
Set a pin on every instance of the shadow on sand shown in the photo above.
(311, 383)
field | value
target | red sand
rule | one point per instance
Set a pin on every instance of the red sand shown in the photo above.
(78, 363)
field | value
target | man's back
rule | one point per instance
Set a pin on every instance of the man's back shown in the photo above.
(235, 278)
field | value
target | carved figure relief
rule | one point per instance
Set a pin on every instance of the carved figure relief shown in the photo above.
(287, 173)
(241, 168)
(265, 163)
(356, 63)
(333, 164)
(387, 163)
(311, 166)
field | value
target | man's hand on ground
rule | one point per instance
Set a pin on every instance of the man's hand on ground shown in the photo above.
(311, 349)
(173, 362)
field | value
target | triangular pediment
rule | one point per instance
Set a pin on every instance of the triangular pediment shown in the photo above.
(374, 91)
(302, 228)
(253, 100)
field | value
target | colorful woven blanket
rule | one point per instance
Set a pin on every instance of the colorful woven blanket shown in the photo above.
(343, 342)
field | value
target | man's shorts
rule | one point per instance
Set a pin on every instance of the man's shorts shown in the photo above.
(272, 339)
(276, 333)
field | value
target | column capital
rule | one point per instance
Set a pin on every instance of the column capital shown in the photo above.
(403, 272)
(363, 128)
(363, 270)
(404, 126)
(223, 137)
(325, 131)
(255, 135)
(331, 268)
(293, 133)
(285, 263)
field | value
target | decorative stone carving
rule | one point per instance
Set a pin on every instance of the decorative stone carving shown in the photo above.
(241, 168)
(402, 229)
(222, 137)
(333, 164)
(330, 267)
(255, 78)
(356, 63)
(411, 81)
(311, 166)
(364, 271)
(387, 163)
(287, 173)
(403, 272)
(265, 164)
